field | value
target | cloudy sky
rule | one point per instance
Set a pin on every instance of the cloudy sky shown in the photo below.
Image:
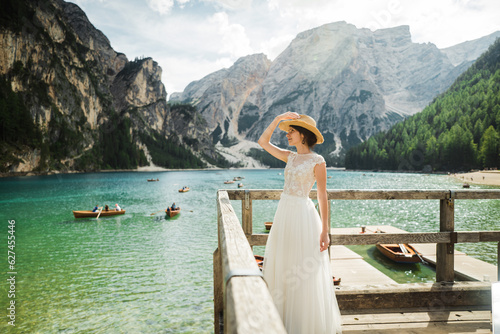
(192, 38)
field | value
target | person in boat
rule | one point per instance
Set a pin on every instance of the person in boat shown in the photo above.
(118, 207)
(174, 207)
(96, 208)
(297, 266)
(106, 208)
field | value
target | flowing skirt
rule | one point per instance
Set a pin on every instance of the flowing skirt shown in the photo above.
(297, 273)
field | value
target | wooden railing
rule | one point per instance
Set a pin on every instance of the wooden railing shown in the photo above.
(241, 295)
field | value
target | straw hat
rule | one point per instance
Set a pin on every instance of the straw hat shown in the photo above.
(304, 121)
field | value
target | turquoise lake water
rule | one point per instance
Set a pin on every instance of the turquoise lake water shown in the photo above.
(142, 273)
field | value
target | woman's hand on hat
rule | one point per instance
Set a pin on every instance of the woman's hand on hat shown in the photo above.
(288, 115)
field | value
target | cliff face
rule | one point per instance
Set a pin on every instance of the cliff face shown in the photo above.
(221, 96)
(354, 82)
(79, 91)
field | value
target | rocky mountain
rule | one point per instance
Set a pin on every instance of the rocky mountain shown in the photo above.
(354, 82)
(469, 51)
(87, 107)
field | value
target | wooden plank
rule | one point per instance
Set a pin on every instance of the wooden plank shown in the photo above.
(418, 322)
(445, 271)
(469, 327)
(362, 194)
(357, 272)
(248, 304)
(257, 194)
(249, 308)
(388, 238)
(412, 295)
(387, 194)
(415, 316)
(477, 194)
(260, 239)
(232, 240)
(246, 213)
(218, 292)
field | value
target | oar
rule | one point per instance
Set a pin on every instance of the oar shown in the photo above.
(406, 253)
(99, 214)
(421, 259)
(154, 213)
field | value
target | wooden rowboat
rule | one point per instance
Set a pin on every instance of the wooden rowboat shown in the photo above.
(268, 225)
(228, 182)
(172, 213)
(184, 190)
(400, 253)
(260, 261)
(91, 214)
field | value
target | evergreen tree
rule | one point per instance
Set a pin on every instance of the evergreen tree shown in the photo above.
(448, 132)
(490, 148)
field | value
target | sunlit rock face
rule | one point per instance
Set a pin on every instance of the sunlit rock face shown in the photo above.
(354, 82)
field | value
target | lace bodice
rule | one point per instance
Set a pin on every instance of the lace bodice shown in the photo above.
(299, 173)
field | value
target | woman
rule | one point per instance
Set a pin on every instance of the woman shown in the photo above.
(296, 266)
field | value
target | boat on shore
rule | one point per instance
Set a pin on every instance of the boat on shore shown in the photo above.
(172, 213)
(400, 253)
(92, 214)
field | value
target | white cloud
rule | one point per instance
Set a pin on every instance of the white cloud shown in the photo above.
(275, 45)
(234, 40)
(161, 6)
(192, 38)
(234, 4)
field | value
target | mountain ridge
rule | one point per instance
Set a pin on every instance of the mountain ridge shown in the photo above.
(354, 82)
(83, 97)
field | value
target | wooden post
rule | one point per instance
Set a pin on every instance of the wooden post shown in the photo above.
(218, 293)
(445, 261)
(246, 215)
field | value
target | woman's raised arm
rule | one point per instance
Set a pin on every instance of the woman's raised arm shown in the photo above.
(265, 139)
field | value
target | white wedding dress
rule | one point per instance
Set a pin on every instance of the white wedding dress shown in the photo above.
(297, 273)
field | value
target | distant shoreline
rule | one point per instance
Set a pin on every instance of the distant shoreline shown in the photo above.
(485, 177)
(140, 170)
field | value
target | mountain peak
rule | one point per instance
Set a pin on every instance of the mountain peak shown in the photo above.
(354, 82)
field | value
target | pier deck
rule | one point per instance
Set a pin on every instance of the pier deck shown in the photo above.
(369, 301)
(418, 321)
(353, 270)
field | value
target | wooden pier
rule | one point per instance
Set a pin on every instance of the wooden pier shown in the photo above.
(373, 304)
